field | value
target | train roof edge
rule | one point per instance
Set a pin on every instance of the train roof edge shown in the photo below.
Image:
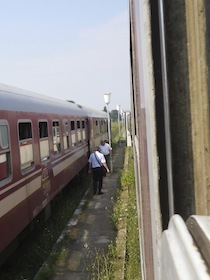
(16, 99)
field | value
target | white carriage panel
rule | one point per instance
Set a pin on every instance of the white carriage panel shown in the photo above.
(26, 153)
(73, 139)
(79, 136)
(44, 148)
(84, 135)
(3, 158)
(65, 142)
(15, 198)
(199, 227)
(56, 143)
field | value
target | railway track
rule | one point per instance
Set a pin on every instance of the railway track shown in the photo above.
(37, 245)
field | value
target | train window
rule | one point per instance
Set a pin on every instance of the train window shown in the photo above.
(105, 126)
(101, 126)
(96, 128)
(4, 137)
(5, 163)
(43, 130)
(25, 131)
(78, 124)
(84, 131)
(79, 134)
(72, 125)
(73, 134)
(83, 124)
(43, 140)
(25, 145)
(56, 137)
(66, 135)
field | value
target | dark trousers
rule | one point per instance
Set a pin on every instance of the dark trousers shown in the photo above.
(97, 179)
(107, 158)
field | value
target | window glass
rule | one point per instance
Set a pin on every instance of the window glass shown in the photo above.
(25, 131)
(83, 124)
(72, 125)
(78, 124)
(56, 137)
(44, 141)
(26, 145)
(4, 138)
(66, 135)
(43, 131)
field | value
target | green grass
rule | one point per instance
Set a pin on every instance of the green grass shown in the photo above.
(103, 267)
(132, 264)
(110, 265)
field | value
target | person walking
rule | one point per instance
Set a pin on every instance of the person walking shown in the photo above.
(105, 149)
(97, 162)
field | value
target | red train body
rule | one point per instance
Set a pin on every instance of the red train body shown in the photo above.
(44, 143)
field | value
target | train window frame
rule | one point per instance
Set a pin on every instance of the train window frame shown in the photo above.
(79, 132)
(101, 126)
(84, 131)
(5, 157)
(105, 126)
(66, 135)
(57, 145)
(1, 142)
(73, 133)
(44, 142)
(72, 125)
(97, 127)
(26, 145)
(83, 124)
(78, 124)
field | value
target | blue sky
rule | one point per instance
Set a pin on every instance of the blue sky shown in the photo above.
(69, 49)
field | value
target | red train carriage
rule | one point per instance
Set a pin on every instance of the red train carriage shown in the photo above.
(44, 143)
(98, 126)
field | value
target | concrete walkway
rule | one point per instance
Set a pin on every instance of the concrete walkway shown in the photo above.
(90, 230)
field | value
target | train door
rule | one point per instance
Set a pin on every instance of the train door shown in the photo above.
(87, 131)
(5, 164)
(56, 137)
(79, 132)
(44, 147)
(44, 141)
(92, 133)
(84, 132)
(66, 138)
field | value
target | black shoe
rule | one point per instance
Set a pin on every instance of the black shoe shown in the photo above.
(99, 193)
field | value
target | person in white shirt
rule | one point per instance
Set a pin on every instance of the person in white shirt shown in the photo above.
(105, 149)
(97, 161)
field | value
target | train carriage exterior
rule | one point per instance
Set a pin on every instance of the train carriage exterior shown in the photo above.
(44, 143)
(169, 51)
(97, 126)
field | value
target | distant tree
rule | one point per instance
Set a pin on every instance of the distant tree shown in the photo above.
(114, 115)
